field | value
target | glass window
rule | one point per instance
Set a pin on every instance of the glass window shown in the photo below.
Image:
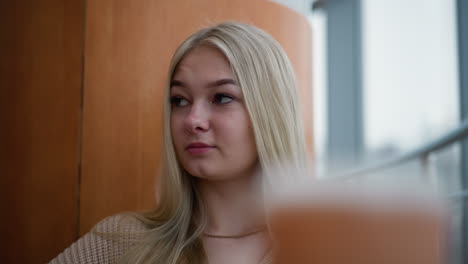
(411, 89)
(410, 79)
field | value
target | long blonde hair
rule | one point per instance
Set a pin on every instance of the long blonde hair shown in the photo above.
(267, 81)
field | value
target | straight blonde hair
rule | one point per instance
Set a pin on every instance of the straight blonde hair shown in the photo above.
(267, 81)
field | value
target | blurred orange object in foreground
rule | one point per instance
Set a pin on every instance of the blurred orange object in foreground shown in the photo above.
(332, 233)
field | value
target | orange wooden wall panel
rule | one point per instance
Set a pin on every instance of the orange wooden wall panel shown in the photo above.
(128, 48)
(121, 137)
(40, 83)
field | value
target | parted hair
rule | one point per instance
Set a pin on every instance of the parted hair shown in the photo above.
(267, 81)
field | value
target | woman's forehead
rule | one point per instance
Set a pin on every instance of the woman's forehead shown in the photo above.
(204, 62)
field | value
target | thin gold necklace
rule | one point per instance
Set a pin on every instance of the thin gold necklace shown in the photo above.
(255, 231)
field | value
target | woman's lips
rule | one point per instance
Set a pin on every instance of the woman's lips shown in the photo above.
(199, 148)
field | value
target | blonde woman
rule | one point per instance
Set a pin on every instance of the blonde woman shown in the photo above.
(231, 113)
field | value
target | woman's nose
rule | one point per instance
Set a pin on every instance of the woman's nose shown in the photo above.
(197, 119)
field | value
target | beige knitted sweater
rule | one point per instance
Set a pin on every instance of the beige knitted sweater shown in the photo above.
(94, 248)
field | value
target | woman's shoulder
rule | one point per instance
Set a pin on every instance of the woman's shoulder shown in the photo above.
(106, 242)
(124, 223)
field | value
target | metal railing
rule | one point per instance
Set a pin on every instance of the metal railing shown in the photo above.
(422, 153)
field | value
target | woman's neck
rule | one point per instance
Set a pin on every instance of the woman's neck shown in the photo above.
(233, 206)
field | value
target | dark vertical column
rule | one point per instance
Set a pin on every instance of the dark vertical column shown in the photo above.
(345, 124)
(462, 16)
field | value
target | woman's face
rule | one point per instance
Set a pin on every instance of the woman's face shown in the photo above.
(210, 126)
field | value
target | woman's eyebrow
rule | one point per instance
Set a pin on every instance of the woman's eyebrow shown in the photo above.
(211, 84)
(222, 82)
(177, 83)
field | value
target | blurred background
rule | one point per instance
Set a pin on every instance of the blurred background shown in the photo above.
(383, 87)
(390, 82)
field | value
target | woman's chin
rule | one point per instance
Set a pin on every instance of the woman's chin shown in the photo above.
(210, 175)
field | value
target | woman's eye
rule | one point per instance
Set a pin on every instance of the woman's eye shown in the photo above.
(178, 101)
(222, 99)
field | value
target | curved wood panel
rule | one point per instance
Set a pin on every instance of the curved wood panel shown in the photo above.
(128, 48)
(40, 84)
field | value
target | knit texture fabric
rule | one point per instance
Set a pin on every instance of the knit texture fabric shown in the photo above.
(106, 243)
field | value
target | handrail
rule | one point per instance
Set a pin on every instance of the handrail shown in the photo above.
(456, 134)
(458, 195)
